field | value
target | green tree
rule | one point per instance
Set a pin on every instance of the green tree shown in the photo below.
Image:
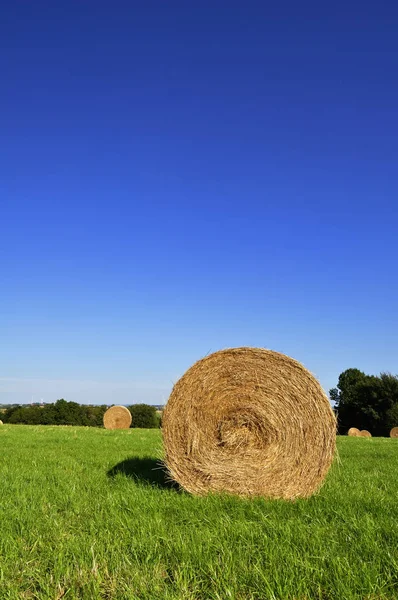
(389, 398)
(144, 416)
(49, 415)
(6, 416)
(334, 395)
(366, 401)
(392, 417)
(15, 416)
(27, 415)
(94, 415)
(68, 413)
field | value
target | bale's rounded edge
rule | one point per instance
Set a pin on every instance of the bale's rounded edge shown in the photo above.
(354, 432)
(117, 417)
(250, 422)
(365, 433)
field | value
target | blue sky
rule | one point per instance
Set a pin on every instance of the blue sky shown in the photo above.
(178, 178)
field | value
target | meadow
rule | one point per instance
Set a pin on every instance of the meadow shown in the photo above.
(87, 513)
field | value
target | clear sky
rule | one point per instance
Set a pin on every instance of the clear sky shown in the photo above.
(180, 177)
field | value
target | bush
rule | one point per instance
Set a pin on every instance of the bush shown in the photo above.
(62, 412)
(59, 413)
(144, 416)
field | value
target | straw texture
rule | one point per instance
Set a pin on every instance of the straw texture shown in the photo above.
(117, 417)
(354, 432)
(250, 422)
(365, 433)
(394, 432)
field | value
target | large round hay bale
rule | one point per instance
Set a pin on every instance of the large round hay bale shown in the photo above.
(394, 432)
(251, 422)
(354, 432)
(365, 433)
(117, 417)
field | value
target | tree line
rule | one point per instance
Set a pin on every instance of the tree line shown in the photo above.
(63, 412)
(366, 402)
(363, 401)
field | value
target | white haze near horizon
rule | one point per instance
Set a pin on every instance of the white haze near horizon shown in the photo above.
(27, 390)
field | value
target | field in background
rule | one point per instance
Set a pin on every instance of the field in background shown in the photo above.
(83, 515)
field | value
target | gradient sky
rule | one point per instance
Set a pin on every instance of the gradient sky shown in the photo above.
(178, 177)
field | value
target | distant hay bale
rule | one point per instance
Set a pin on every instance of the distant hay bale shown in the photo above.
(117, 417)
(250, 422)
(365, 433)
(394, 432)
(1, 422)
(354, 432)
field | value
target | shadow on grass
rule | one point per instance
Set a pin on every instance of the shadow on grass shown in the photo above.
(144, 470)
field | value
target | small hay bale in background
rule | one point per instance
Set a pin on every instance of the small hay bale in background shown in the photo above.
(250, 422)
(365, 433)
(117, 417)
(1, 422)
(354, 432)
(394, 432)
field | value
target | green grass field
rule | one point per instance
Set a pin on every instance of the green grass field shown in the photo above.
(83, 515)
